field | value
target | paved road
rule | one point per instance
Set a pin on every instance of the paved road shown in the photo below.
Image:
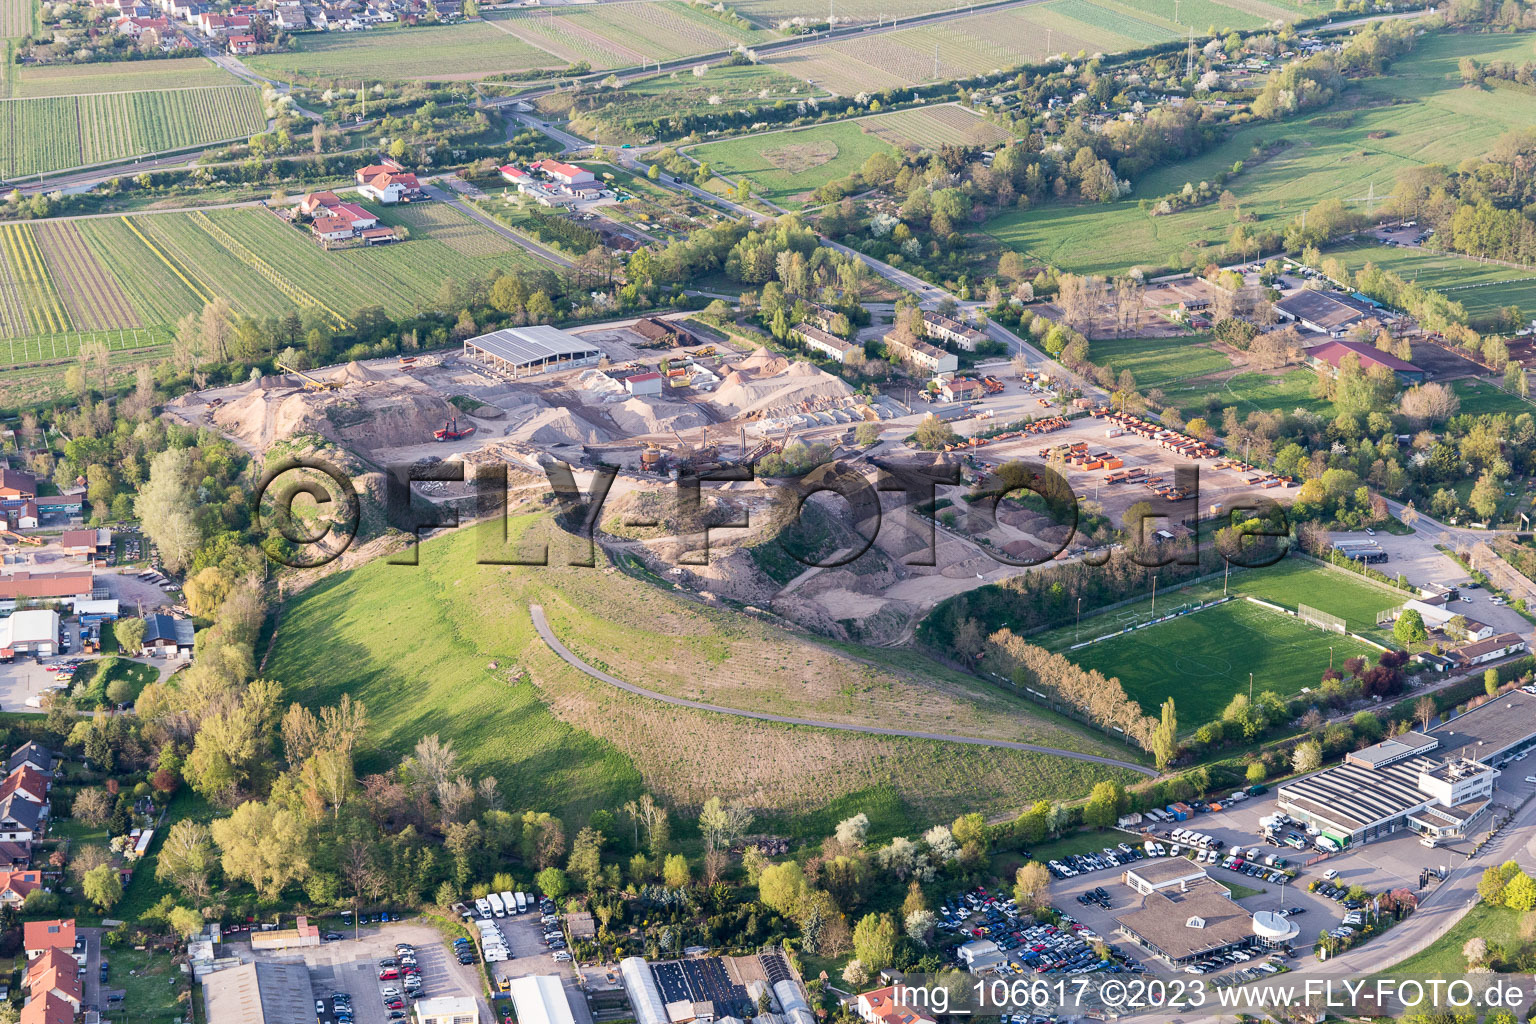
(542, 625)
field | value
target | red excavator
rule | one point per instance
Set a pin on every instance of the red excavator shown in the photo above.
(452, 431)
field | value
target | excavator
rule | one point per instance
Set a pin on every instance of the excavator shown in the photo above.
(310, 383)
(452, 431)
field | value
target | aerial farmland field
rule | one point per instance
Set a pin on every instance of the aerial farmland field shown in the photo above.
(928, 128)
(970, 45)
(786, 167)
(460, 52)
(1419, 115)
(52, 133)
(131, 76)
(623, 34)
(15, 18)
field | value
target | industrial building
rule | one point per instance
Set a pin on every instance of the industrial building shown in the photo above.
(540, 999)
(1324, 312)
(32, 631)
(1494, 732)
(1174, 874)
(1395, 784)
(260, 993)
(526, 351)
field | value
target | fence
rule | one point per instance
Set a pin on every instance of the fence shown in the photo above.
(49, 347)
(1319, 618)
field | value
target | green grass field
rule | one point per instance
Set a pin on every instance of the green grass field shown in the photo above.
(1480, 398)
(682, 93)
(135, 76)
(448, 647)
(625, 34)
(1203, 659)
(1159, 362)
(1483, 288)
(1443, 958)
(1419, 112)
(786, 167)
(460, 52)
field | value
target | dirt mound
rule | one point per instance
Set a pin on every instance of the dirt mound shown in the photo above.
(638, 416)
(358, 373)
(357, 418)
(772, 385)
(542, 425)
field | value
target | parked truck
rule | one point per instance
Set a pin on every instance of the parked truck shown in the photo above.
(522, 902)
(498, 908)
(484, 906)
(510, 902)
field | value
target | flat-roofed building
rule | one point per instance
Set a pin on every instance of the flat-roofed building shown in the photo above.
(448, 1010)
(260, 993)
(540, 999)
(1183, 926)
(1171, 873)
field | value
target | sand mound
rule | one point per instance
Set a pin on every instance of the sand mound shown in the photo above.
(542, 425)
(771, 385)
(361, 419)
(357, 372)
(638, 416)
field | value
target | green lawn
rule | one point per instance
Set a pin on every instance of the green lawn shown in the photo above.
(1252, 391)
(1443, 959)
(1202, 659)
(1479, 397)
(447, 647)
(1417, 114)
(1159, 362)
(786, 167)
(1482, 288)
(93, 678)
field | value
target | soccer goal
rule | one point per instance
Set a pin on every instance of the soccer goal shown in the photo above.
(1319, 618)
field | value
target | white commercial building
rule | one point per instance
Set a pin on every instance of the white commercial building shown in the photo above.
(448, 1010)
(540, 999)
(33, 631)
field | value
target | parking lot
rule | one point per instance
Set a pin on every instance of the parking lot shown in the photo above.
(352, 966)
(524, 936)
(1392, 863)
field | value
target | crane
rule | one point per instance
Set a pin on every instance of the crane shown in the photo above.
(310, 383)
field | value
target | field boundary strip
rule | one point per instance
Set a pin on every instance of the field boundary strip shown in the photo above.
(164, 258)
(298, 295)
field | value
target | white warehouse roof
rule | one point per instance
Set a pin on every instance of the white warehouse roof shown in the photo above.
(33, 626)
(644, 995)
(534, 346)
(540, 999)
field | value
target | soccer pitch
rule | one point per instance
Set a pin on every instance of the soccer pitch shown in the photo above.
(1203, 658)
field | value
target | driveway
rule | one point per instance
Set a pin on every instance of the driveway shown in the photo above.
(525, 941)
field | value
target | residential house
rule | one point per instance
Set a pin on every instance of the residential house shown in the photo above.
(38, 937)
(385, 166)
(316, 202)
(960, 335)
(135, 27)
(290, 18)
(20, 819)
(32, 755)
(829, 345)
(47, 1009)
(16, 886)
(331, 229)
(27, 783)
(921, 354)
(15, 484)
(1483, 651)
(56, 972)
(565, 174)
(242, 46)
(390, 186)
(359, 218)
(881, 1007)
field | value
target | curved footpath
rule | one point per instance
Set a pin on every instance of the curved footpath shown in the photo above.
(542, 625)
